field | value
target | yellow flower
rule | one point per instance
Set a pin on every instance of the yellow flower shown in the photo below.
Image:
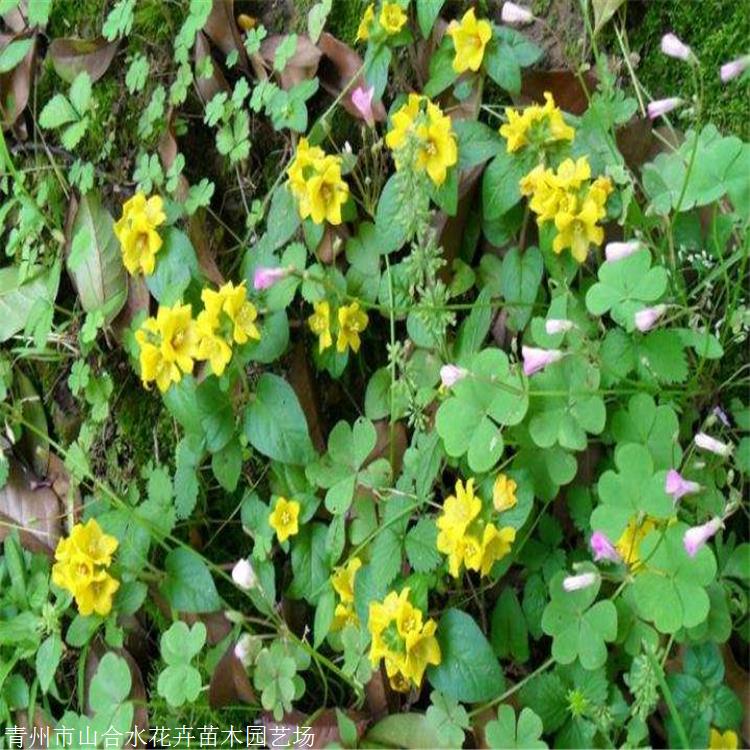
(284, 518)
(320, 324)
(306, 164)
(241, 312)
(422, 649)
(578, 229)
(179, 336)
(727, 741)
(392, 18)
(155, 366)
(352, 321)
(81, 562)
(381, 615)
(629, 543)
(342, 579)
(136, 231)
(363, 32)
(326, 193)
(470, 37)
(402, 122)
(344, 615)
(439, 150)
(504, 493)
(459, 511)
(496, 545)
(571, 174)
(542, 126)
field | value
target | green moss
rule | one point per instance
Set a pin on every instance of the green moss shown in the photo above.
(717, 32)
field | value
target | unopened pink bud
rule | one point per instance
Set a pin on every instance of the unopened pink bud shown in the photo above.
(619, 250)
(696, 536)
(362, 100)
(244, 575)
(515, 14)
(735, 68)
(646, 319)
(603, 549)
(243, 649)
(558, 325)
(537, 359)
(581, 581)
(662, 106)
(265, 278)
(677, 486)
(673, 47)
(451, 374)
(712, 445)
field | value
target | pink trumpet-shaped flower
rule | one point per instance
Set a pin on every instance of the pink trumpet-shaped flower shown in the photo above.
(673, 47)
(734, 68)
(647, 318)
(677, 486)
(603, 549)
(618, 250)
(515, 14)
(451, 374)
(244, 575)
(696, 536)
(362, 100)
(581, 581)
(265, 278)
(663, 106)
(537, 359)
(558, 325)
(712, 444)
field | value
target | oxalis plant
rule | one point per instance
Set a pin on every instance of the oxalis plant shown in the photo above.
(383, 395)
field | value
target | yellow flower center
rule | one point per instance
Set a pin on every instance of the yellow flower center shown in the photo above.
(286, 519)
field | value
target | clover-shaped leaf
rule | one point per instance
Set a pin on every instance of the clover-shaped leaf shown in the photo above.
(109, 691)
(565, 419)
(448, 718)
(342, 468)
(470, 421)
(180, 682)
(577, 628)
(275, 673)
(625, 287)
(505, 732)
(631, 490)
(671, 591)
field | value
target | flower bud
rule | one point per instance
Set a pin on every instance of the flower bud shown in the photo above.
(603, 549)
(663, 106)
(673, 47)
(735, 68)
(647, 318)
(244, 575)
(712, 444)
(618, 250)
(451, 374)
(696, 536)
(537, 359)
(558, 325)
(515, 14)
(362, 100)
(677, 486)
(247, 649)
(581, 581)
(265, 278)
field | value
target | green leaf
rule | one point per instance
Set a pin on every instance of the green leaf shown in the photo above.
(661, 354)
(176, 265)
(275, 424)
(392, 223)
(227, 465)
(180, 682)
(13, 53)
(404, 730)
(477, 143)
(506, 54)
(188, 585)
(448, 719)
(421, 547)
(578, 629)
(520, 278)
(377, 62)
(508, 632)
(500, 190)
(108, 692)
(18, 299)
(603, 11)
(309, 563)
(441, 74)
(96, 267)
(119, 22)
(47, 658)
(80, 92)
(503, 732)
(468, 670)
(283, 217)
(427, 13)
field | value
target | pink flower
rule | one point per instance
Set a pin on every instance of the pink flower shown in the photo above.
(581, 581)
(244, 575)
(515, 14)
(362, 100)
(243, 649)
(265, 278)
(619, 250)
(721, 415)
(735, 68)
(663, 106)
(603, 549)
(558, 325)
(673, 47)
(696, 536)
(677, 486)
(712, 444)
(451, 374)
(537, 359)
(647, 318)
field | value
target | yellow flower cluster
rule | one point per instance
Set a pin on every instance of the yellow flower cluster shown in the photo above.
(537, 125)
(351, 322)
(284, 518)
(172, 341)
(136, 231)
(315, 181)
(470, 38)
(726, 741)
(392, 19)
(572, 200)
(81, 562)
(342, 581)
(504, 493)
(466, 538)
(402, 640)
(436, 148)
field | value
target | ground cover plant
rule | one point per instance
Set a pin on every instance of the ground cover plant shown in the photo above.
(372, 375)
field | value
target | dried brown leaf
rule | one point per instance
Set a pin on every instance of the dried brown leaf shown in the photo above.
(216, 83)
(229, 682)
(221, 28)
(302, 381)
(15, 85)
(301, 66)
(564, 85)
(71, 56)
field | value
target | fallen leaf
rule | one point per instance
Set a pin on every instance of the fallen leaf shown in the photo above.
(221, 28)
(216, 83)
(34, 443)
(71, 56)
(303, 383)
(565, 87)
(301, 66)
(635, 140)
(339, 65)
(229, 682)
(15, 86)
(138, 300)
(31, 507)
(332, 243)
